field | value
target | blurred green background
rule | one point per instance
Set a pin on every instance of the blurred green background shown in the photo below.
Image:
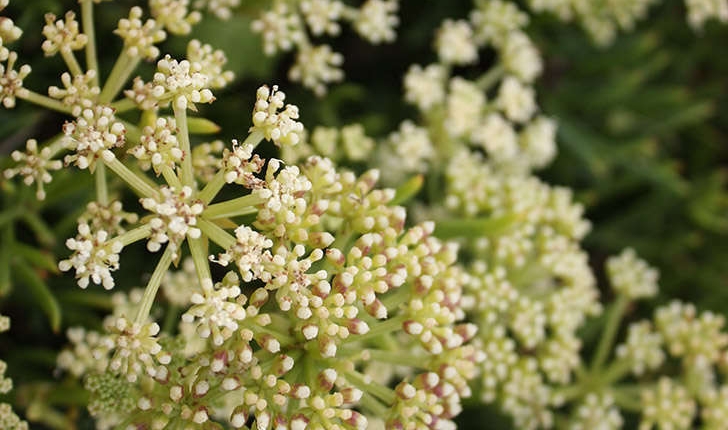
(642, 141)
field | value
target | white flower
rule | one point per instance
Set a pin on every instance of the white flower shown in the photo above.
(515, 100)
(454, 43)
(248, 253)
(667, 406)
(280, 127)
(376, 20)
(493, 20)
(34, 166)
(91, 134)
(317, 66)
(322, 16)
(62, 35)
(175, 218)
(215, 311)
(11, 80)
(140, 37)
(520, 57)
(77, 92)
(209, 62)
(631, 276)
(174, 15)
(94, 257)
(538, 142)
(425, 88)
(497, 137)
(643, 348)
(465, 104)
(220, 8)
(280, 28)
(158, 146)
(700, 11)
(597, 412)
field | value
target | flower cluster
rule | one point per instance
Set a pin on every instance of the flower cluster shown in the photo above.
(286, 26)
(8, 419)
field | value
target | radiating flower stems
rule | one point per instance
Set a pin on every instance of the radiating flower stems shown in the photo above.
(102, 192)
(123, 68)
(614, 317)
(491, 77)
(180, 117)
(150, 291)
(215, 233)
(241, 206)
(134, 235)
(171, 177)
(365, 384)
(44, 101)
(389, 325)
(123, 105)
(134, 181)
(212, 188)
(198, 250)
(71, 62)
(87, 20)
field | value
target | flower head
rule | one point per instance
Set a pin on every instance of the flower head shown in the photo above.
(280, 127)
(34, 166)
(175, 217)
(95, 256)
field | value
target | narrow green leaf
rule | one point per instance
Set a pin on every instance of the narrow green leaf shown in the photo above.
(40, 228)
(40, 259)
(464, 227)
(408, 190)
(198, 125)
(41, 293)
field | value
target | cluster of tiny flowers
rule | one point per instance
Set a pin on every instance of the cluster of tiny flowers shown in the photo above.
(181, 82)
(597, 412)
(78, 92)
(602, 20)
(241, 166)
(174, 15)
(283, 27)
(211, 63)
(667, 406)
(95, 256)
(62, 35)
(110, 217)
(175, 217)
(140, 37)
(92, 135)
(34, 165)
(631, 276)
(8, 419)
(158, 146)
(11, 80)
(220, 8)
(276, 122)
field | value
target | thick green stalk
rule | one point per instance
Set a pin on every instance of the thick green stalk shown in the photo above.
(134, 181)
(180, 117)
(489, 78)
(212, 188)
(150, 292)
(102, 192)
(241, 206)
(611, 327)
(123, 68)
(87, 20)
(44, 101)
(199, 256)
(215, 233)
(134, 235)
(71, 62)
(171, 177)
(383, 393)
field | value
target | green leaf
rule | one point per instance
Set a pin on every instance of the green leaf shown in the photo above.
(42, 294)
(474, 227)
(40, 259)
(408, 190)
(198, 125)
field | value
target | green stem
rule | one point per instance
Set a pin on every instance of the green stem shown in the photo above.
(216, 233)
(395, 357)
(254, 138)
(615, 371)
(380, 328)
(102, 192)
(212, 188)
(134, 235)
(171, 177)
(123, 68)
(134, 181)
(87, 20)
(628, 398)
(365, 384)
(241, 206)
(374, 406)
(611, 327)
(44, 101)
(394, 298)
(489, 78)
(71, 62)
(123, 105)
(171, 317)
(150, 292)
(199, 256)
(180, 117)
